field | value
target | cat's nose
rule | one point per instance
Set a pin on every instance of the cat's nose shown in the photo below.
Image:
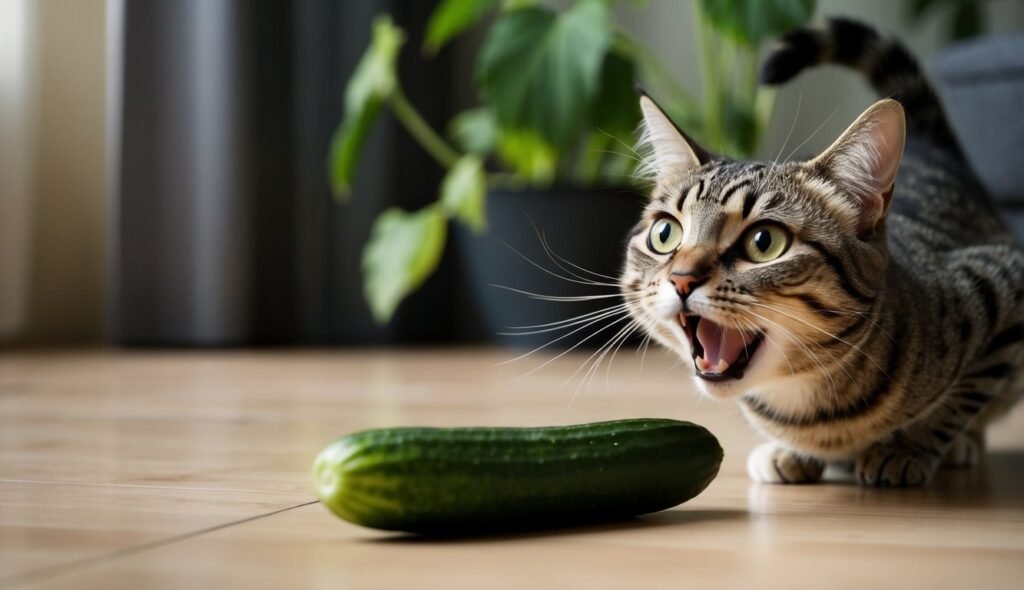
(686, 282)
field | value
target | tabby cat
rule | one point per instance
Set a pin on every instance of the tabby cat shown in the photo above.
(864, 306)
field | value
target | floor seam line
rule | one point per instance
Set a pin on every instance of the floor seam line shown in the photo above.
(51, 572)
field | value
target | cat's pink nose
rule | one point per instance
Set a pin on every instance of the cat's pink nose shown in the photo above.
(685, 282)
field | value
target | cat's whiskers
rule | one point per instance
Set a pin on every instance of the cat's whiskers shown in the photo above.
(607, 374)
(552, 255)
(591, 321)
(621, 154)
(768, 174)
(752, 327)
(851, 312)
(633, 153)
(650, 325)
(782, 353)
(624, 313)
(566, 298)
(803, 347)
(813, 133)
(631, 301)
(731, 313)
(610, 345)
(594, 354)
(567, 323)
(620, 337)
(827, 333)
(832, 358)
(739, 329)
(643, 344)
(556, 275)
(796, 117)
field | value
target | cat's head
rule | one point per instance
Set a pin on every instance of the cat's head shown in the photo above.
(751, 271)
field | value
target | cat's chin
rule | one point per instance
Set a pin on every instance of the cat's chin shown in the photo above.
(721, 390)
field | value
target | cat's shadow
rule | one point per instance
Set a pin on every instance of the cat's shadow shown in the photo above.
(681, 517)
(996, 482)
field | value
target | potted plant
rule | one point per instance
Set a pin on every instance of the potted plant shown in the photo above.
(548, 149)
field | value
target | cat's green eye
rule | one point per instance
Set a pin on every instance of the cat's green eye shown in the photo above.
(765, 242)
(665, 235)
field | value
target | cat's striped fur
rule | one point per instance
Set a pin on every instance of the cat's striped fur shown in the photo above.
(891, 335)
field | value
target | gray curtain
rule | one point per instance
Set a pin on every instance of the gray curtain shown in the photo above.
(227, 230)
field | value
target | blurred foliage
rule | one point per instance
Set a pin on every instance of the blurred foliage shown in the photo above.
(965, 18)
(403, 250)
(748, 23)
(538, 69)
(373, 82)
(556, 106)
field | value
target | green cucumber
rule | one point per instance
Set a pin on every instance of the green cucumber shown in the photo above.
(432, 480)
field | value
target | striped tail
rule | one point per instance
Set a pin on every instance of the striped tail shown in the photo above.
(893, 72)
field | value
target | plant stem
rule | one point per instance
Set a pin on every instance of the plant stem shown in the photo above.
(656, 67)
(710, 80)
(589, 165)
(421, 131)
(764, 107)
(747, 57)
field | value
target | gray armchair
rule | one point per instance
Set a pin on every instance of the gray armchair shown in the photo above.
(982, 85)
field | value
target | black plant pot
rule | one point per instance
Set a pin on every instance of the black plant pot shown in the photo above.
(583, 229)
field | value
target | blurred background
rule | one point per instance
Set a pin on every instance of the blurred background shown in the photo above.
(202, 172)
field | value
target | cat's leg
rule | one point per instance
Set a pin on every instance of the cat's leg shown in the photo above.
(952, 428)
(967, 449)
(774, 463)
(900, 461)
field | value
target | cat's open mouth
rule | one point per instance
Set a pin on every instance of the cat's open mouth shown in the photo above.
(719, 352)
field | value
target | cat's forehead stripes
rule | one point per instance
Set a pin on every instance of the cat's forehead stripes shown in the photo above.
(721, 187)
(692, 194)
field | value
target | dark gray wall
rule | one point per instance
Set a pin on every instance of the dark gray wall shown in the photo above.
(227, 231)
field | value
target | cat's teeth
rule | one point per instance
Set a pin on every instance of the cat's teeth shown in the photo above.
(705, 366)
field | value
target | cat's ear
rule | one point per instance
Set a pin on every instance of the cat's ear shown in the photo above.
(864, 160)
(667, 150)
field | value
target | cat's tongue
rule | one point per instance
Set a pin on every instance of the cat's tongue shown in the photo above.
(722, 346)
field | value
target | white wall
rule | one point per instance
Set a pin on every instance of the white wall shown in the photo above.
(53, 167)
(16, 117)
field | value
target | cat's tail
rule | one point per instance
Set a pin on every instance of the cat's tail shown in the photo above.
(890, 68)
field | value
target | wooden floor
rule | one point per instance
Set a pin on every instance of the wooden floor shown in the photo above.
(189, 470)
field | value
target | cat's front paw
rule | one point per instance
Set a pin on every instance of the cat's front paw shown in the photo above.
(773, 463)
(893, 466)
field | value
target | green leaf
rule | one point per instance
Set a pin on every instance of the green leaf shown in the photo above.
(403, 250)
(616, 110)
(538, 70)
(463, 190)
(451, 18)
(530, 157)
(373, 81)
(748, 22)
(475, 130)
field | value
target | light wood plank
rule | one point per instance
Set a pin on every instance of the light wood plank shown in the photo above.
(735, 535)
(45, 525)
(101, 452)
